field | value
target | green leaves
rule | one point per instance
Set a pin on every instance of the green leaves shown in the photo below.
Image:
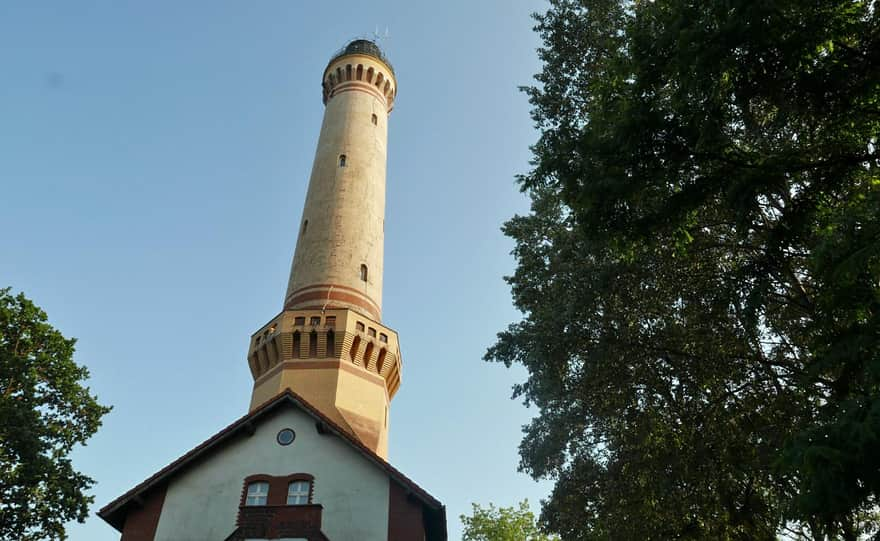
(700, 270)
(502, 524)
(46, 412)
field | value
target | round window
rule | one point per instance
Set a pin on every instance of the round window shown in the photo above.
(285, 436)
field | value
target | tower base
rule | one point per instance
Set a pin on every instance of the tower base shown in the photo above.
(341, 362)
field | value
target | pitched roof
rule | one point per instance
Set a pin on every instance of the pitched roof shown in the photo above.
(114, 513)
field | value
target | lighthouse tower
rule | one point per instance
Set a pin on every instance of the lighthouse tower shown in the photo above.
(328, 344)
(309, 459)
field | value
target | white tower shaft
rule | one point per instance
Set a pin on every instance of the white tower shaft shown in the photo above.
(340, 244)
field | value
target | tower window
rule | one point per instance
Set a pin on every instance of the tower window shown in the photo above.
(375, 119)
(305, 226)
(298, 492)
(360, 326)
(342, 160)
(314, 321)
(257, 493)
(364, 273)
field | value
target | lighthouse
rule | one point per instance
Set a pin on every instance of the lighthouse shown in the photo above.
(308, 461)
(329, 344)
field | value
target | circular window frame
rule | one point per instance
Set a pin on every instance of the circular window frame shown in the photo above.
(281, 437)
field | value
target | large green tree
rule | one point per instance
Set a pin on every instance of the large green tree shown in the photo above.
(44, 412)
(502, 524)
(700, 270)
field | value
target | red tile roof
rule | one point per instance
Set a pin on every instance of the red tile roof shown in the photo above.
(114, 513)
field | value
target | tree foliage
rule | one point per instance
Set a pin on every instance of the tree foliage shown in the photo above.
(45, 412)
(700, 270)
(502, 524)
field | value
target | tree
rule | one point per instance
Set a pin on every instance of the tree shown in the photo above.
(45, 411)
(700, 270)
(502, 524)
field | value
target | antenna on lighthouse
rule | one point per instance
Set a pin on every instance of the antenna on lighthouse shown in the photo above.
(380, 38)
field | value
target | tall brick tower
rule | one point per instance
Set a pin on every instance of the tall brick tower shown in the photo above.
(328, 344)
(309, 460)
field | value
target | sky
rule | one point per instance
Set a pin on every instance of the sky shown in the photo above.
(154, 159)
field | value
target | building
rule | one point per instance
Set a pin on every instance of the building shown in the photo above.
(309, 460)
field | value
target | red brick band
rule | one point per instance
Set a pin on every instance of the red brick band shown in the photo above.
(357, 86)
(329, 293)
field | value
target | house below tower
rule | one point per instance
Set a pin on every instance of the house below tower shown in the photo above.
(284, 471)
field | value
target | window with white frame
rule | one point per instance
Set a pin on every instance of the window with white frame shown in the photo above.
(257, 493)
(298, 493)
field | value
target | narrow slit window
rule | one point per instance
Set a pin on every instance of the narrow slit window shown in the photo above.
(375, 119)
(313, 344)
(297, 344)
(354, 348)
(368, 355)
(342, 160)
(380, 362)
(305, 226)
(364, 273)
(331, 344)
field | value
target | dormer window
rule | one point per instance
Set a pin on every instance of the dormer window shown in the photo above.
(257, 493)
(298, 492)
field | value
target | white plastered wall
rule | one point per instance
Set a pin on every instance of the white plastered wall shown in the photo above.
(202, 503)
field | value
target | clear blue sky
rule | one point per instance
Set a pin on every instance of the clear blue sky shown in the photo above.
(154, 159)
